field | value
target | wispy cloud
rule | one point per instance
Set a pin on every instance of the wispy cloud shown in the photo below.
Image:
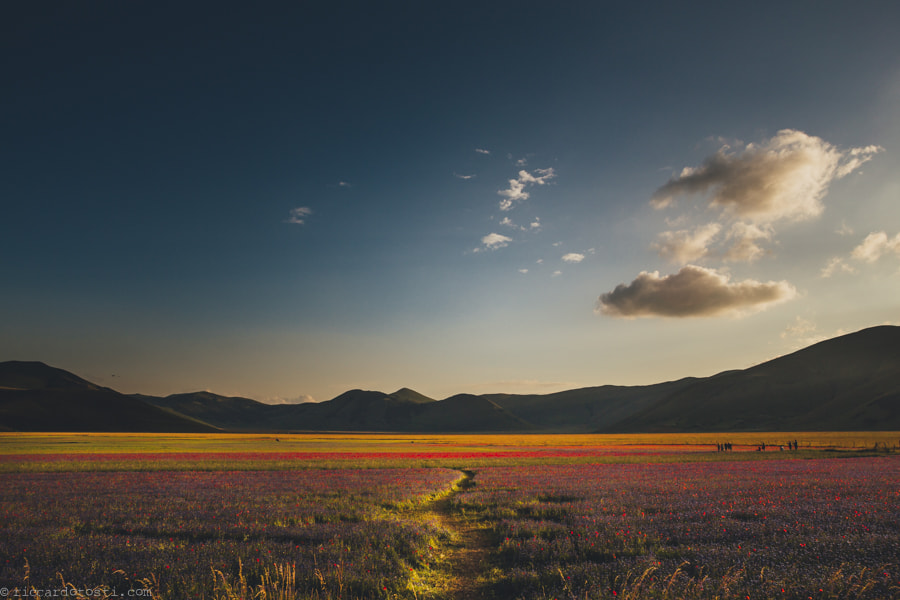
(520, 386)
(785, 178)
(296, 400)
(875, 246)
(344, 184)
(800, 327)
(523, 271)
(803, 332)
(482, 151)
(684, 246)
(493, 241)
(573, 257)
(856, 158)
(836, 265)
(691, 292)
(844, 229)
(298, 215)
(516, 190)
(466, 177)
(745, 238)
(533, 226)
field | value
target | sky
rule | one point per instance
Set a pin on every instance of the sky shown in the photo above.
(286, 201)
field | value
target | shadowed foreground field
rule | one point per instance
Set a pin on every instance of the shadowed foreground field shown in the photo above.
(366, 516)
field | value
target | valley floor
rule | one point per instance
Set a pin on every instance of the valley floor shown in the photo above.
(446, 517)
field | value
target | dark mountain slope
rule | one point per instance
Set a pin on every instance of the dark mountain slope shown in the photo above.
(36, 397)
(359, 410)
(231, 413)
(468, 413)
(356, 410)
(847, 383)
(409, 395)
(88, 410)
(33, 375)
(586, 409)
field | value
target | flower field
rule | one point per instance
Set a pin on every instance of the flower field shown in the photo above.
(338, 531)
(567, 517)
(773, 529)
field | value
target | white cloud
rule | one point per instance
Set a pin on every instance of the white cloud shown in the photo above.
(482, 151)
(836, 265)
(516, 190)
(533, 226)
(515, 193)
(691, 292)
(282, 400)
(521, 386)
(344, 184)
(785, 178)
(299, 215)
(556, 274)
(800, 327)
(684, 246)
(875, 246)
(856, 158)
(845, 229)
(573, 257)
(523, 271)
(802, 333)
(492, 241)
(464, 177)
(745, 247)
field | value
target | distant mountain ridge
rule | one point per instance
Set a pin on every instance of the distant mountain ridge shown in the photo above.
(851, 382)
(37, 397)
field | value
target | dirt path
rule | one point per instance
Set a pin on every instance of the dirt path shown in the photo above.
(468, 550)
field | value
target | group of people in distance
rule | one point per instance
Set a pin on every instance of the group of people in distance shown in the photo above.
(726, 446)
(791, 446)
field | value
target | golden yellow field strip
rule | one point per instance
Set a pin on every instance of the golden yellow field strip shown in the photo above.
(92, 443)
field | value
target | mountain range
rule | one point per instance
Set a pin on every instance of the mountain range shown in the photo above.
(851, 382)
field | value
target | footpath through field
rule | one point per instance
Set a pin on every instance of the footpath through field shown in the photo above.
(466, 563)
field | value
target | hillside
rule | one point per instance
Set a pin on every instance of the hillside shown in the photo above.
(850, 382)
(355, 410)
(33, 375)
(405, 410)
(587, 409)
(228, 413)
(847, 383)
(37, 397)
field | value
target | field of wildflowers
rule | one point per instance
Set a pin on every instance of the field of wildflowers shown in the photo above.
(177, 532)
(210, 517)
(772, 529)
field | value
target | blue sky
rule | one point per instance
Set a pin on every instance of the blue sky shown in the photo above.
(286, 202)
